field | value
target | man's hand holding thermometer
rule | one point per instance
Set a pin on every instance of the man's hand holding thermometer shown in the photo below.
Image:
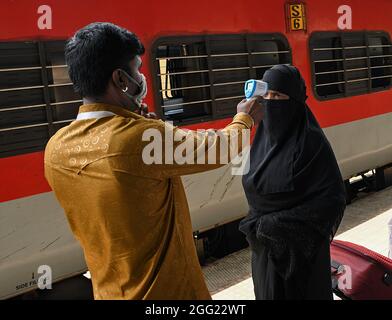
(253, 89)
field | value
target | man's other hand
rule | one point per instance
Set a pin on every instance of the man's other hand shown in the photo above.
(143, 111)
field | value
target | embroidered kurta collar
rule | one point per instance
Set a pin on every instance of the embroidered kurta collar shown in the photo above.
(107, 107)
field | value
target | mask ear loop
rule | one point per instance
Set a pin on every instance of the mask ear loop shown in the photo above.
(129, 77)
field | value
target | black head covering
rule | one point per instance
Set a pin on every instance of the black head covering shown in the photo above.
(294, 187)
(277, 135)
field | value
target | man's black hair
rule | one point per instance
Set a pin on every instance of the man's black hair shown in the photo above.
(95, 51)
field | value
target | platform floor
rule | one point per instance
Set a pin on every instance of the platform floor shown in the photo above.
(365, 223)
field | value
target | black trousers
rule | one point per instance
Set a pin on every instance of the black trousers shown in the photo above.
(269, 285)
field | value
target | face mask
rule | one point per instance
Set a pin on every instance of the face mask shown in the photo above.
(138, 98)
(279, 117)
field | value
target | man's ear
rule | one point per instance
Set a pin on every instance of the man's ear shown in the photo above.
(119, 79)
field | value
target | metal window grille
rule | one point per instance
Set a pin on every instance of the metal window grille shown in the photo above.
(36, 95)
(350, 63)
(201, 78)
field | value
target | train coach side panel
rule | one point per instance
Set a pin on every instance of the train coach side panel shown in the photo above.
(35, 232)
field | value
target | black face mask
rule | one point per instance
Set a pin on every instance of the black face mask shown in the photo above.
(280, 117)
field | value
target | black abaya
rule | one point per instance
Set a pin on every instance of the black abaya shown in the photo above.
(269, 285)
(296, 196)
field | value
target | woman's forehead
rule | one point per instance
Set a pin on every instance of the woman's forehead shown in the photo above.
(274, 91)
(276, 94)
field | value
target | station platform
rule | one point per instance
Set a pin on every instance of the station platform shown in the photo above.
(365, 222)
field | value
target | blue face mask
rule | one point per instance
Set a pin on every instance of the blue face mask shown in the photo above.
(138, 98)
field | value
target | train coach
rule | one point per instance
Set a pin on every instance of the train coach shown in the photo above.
(198, 56)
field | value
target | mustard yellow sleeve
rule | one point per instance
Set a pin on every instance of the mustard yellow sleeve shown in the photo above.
(197, 151)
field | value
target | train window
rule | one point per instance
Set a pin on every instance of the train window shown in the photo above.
(199, 78)
(36, 95)
(350, 63)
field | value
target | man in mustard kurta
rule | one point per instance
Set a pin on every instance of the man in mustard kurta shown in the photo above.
(131, 218)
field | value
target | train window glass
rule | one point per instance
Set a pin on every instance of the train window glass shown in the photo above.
(199, 78)
(36, 95)
(350, 63)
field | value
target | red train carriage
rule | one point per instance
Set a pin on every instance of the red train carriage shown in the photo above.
(198, 55)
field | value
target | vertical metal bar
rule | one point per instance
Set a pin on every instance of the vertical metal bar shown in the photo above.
(45, 82)
(211, 77)
(369, 70)
(344, 65)
(388, 51)
(252, 71)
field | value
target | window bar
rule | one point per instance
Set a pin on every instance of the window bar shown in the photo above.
(385, 66)
(252, 71)
(201, 86)
(186, 103)
(368, 63)
(382, 56)
(270, 52)
(218, 70)
(186, 88)
(38, 105)
(35, 125)
(64, 121)
(20, 69)
(66, 102)
(328, 60)
(32, 68)
(353, 69)
(22, 107)
(353, 80)
(356, 58)
(382, 77)
(344, 64)
(210, 77)
(57, 66)
(24, 127)
(348, 48)
(60, 85)
(230, 69)
(224, 55)
(182, 57)
(348, 59)
(45, 82)
(228, 83)
(341, 82)
(329, 83)
(388, 51)
(381, 46)
(180, 73)
(21, 88)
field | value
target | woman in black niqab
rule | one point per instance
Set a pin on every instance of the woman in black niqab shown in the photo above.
(295, 193)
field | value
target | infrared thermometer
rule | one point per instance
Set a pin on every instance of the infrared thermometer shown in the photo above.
(255, 88)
